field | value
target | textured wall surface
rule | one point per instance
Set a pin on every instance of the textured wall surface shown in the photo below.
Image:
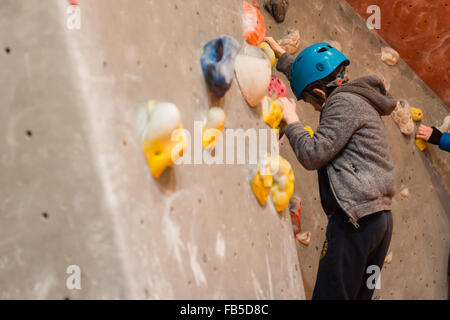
(419, 31)
(75, 187)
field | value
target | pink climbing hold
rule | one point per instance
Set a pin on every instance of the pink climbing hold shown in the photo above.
(277, 87)
(255, 3)
(73, 2)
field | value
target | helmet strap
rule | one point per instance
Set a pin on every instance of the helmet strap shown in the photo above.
(317, 99)
(341, 78)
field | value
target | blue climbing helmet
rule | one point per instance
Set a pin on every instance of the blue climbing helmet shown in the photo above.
(314, 63)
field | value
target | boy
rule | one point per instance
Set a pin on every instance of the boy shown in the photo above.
(350, 151)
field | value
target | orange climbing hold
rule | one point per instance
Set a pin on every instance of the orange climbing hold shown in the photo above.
(254, 28)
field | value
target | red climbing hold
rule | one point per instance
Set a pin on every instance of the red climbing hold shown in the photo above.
(277, 87)
(295, 209)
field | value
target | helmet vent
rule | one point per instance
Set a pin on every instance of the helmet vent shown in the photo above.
(323, 49)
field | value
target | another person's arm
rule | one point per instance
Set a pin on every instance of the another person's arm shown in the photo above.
(434, 136)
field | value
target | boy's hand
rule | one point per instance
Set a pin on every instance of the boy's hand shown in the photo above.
(275, 46)
(424, 132)
(289, 110)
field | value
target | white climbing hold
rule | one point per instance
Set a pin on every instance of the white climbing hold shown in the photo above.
(213, 127)
(164, 140)
(291, 42)
(388, 258)
(253, 73)
(405, 193)
(304, 238)
(402, 116)
(389, 56)
(445, 125)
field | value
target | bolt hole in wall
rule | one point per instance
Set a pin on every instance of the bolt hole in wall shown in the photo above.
(44, 215)
(7, 50)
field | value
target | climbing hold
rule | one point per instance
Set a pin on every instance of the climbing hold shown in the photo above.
(402, 116)
(163, 120)
(445, 125)
(386, 84)
(310, 130)
(277, 87)
(255, 3)
(268, 52)
(304, 238)
(389, 56)
(272, 111)
(275, 175)
(334, 44)
(213, 128)
(254, 28)
(283, 184)
(416, 114)
(405, 193)
(291, 42)
(253, 74)
(388, 258)
(295, 210)
(261, 182)
(277, 8)
(421, 144)
(73, 2)
(217, 63)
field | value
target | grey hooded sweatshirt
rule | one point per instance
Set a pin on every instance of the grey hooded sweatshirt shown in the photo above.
(351, 145)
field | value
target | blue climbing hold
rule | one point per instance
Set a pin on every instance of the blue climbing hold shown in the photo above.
(218, 63)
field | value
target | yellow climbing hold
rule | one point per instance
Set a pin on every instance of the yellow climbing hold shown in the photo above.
(283, 184)
(310, 130)
(259, 189)
(421, 144)
(262, 180)
(272, 111)
(416, 114)
(275, 176)
(265, 47)
(163, 143)
(212, 130)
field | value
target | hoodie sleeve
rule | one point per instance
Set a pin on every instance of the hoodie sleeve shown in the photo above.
(444, 143)
(284, 64)
(338, 123)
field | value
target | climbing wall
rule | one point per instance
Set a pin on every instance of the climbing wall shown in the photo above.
(419, 30)
(75, 186)
(76, 189)
(420, 243)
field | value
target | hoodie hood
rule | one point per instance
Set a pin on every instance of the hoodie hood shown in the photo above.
(372, 89)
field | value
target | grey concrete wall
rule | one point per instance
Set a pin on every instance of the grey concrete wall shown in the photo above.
(75, 187)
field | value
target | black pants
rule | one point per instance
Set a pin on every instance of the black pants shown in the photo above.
(347, 254)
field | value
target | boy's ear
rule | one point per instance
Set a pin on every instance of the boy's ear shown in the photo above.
(320, 93)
